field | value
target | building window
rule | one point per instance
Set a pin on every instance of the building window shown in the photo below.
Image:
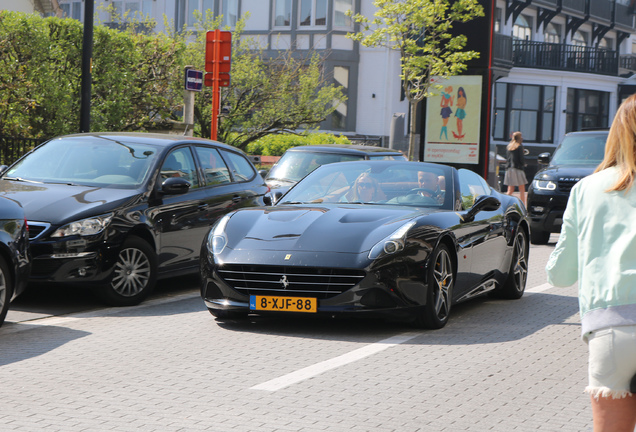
(72, 10)
(522, 29)
(282, 13)
(312, 13)
(186, 9)
(525, 108)
(339, 116)
(497, 20)
(579, 39)
(340, 8)
(552, 33)
(132, 10)
(586, 109)
(230, 11)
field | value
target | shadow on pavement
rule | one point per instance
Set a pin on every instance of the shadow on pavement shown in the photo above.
(475, 322)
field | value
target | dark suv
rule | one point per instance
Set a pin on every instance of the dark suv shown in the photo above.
(576, 157)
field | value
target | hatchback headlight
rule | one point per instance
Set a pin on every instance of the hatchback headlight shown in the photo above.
(84, 227)
(217, 240)
(544, 184)
(391, 244)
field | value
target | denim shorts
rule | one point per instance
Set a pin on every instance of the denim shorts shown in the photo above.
(612, 361)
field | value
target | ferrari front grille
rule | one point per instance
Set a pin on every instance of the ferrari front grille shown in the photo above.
(316, 282)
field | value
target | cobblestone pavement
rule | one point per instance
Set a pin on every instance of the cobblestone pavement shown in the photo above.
(167, 365)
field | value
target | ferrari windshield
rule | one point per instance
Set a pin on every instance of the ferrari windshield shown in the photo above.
(86, 161)
(376, 183)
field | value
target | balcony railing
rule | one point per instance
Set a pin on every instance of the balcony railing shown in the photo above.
(502, 51)
(628, 62)
(564, 57)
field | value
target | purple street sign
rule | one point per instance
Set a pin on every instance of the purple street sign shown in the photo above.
(193, 80)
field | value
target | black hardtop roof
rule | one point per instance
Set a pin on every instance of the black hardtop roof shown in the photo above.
(589, 132)
(156, 139)
(344, 148)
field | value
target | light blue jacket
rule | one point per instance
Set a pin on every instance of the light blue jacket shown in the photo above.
(597, 247)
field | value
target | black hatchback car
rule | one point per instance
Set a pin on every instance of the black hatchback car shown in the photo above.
(116, 211)
(15, 261)
(576, 157)
(299, 161)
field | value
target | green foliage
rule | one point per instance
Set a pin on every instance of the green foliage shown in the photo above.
(266, 95)
(276, 145)
(40, 76)
(421, 31)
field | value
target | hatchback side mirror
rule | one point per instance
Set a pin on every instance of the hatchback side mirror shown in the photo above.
(272, 197)
(175, 186)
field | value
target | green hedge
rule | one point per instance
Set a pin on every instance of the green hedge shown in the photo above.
(276, 145)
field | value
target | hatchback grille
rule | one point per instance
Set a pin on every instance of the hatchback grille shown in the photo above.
(317, 282)
(37, 228)
(566, 185)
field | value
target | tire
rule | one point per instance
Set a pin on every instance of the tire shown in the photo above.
(6, 289)
(223, 315)
(515, 284)
(441, 277)
(539, 237)
(134, 275)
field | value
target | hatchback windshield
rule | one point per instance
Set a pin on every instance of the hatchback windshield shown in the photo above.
(86, 161)
(584, 149)
(377, 183)
(295, 165)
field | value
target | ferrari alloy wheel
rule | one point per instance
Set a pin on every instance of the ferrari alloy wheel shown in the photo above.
(440, 287)
(5, 289)
(515, 284)
(134, 275)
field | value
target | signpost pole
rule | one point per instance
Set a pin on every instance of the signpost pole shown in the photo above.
(215, 88)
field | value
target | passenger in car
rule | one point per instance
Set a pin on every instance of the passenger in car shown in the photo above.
(364, 189)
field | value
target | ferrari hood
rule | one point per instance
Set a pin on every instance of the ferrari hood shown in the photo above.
(348, 229)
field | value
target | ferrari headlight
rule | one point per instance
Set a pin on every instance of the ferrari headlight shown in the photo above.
(391, 244)
(217, 240)
(544, 184)
(84, 227)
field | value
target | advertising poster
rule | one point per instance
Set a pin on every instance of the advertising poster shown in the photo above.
(453, 121)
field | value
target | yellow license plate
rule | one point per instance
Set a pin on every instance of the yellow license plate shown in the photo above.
(284, 304)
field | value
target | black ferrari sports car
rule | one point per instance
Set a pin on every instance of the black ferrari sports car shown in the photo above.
(390, 238)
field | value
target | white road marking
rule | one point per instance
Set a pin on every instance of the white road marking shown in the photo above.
(324, 366)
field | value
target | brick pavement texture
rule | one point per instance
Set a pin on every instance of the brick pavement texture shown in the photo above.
(497, 366)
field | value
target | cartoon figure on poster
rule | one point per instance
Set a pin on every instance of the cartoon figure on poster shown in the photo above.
(460, 112)
(446, 103)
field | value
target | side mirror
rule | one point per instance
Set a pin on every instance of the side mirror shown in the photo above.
(483, 203)
(272, 198)
(175, 186)
(544, 159)
(3, 169)
(263, 172)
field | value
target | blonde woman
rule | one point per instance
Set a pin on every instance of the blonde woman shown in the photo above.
(365, 189)
(597, 247)
(515, 174)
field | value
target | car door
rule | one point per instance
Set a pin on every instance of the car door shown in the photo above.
(487, 234)
(179, 218)
(248, 187)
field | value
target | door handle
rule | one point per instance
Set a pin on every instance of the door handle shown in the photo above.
(202, 207)
(236, 199)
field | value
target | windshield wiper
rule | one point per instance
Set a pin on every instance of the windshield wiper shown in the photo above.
(282, 179)
(21, 180)
(291, 202)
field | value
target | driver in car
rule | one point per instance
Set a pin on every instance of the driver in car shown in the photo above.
(429, 185)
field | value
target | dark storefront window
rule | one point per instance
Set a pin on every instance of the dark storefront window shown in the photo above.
(525, 108)
(586, 109)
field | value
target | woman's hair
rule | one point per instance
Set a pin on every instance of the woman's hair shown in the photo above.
(462, 91)
(352, 194)
(620, 149)
(515, 142)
